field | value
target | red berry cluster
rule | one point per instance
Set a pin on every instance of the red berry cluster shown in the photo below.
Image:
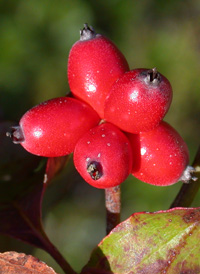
(113, 125)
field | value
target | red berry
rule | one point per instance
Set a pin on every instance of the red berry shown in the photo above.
(103, 156)
(138, 100)
(94, 64)
(53, 128)
(160, 155)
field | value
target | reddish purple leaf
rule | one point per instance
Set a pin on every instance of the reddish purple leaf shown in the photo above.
(21, 182)
(22, 188)
(53, 167)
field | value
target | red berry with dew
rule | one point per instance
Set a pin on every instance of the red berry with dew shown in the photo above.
(52, 128)
(160, 156)
(103, 156)
(138, 100)
(94, 64)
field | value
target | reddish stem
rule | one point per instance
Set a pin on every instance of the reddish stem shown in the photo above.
(113, 207)
(53, 251)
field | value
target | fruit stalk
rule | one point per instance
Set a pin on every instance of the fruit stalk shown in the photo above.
(188, 191)
(113, 207)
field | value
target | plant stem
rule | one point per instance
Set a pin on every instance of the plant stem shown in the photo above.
(113, 207)
(188, 191)
(53, 251)
(40, 240)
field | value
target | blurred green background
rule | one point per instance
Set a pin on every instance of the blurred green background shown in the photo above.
(35, 39)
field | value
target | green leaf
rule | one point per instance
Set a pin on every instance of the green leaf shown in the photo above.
(160, 242)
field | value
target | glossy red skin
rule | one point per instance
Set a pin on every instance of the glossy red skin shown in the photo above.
(135, 106)
(52, 128)
(160, 155)
(93, 66)
(109, 146)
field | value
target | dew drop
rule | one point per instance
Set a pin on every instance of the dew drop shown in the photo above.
(45, 179)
